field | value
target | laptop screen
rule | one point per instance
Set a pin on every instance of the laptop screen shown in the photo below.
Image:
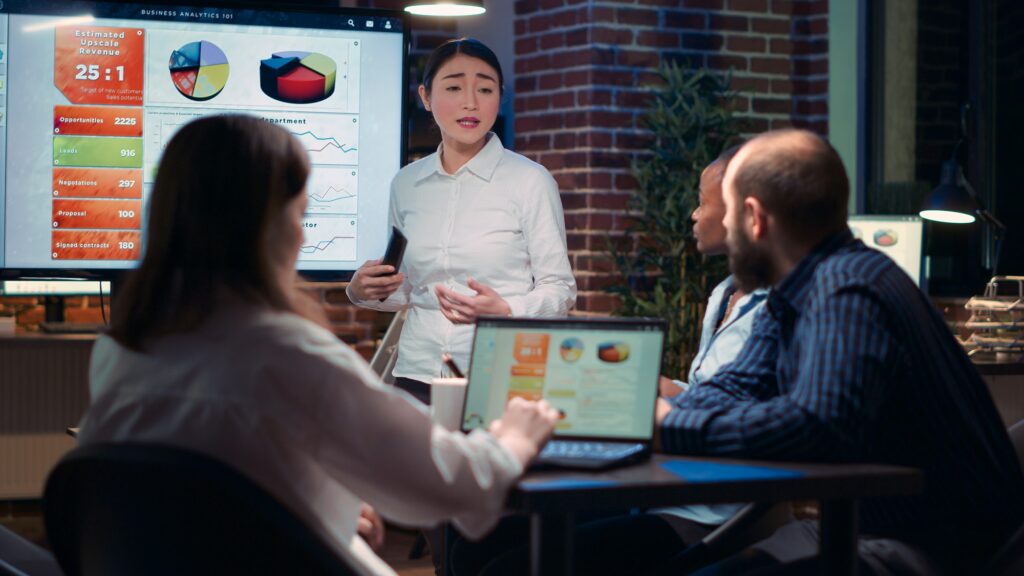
(603, 374)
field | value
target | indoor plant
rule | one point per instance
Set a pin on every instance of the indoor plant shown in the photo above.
(662, 273)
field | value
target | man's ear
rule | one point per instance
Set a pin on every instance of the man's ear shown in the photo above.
(757, 218)
(424, 97)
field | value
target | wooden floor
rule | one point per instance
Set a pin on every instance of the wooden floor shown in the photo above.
(25, 518)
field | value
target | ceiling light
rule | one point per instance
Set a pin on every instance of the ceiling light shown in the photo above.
(445, 7)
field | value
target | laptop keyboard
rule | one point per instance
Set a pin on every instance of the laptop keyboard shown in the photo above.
(595, 450)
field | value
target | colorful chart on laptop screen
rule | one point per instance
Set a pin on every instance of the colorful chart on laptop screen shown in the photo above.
(571, 349)
(199, 70)
(613, 352)
(298, 77)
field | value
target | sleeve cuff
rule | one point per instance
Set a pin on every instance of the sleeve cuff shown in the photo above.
(371, 303)
(352, 297)
(681, 431)
(677, 400)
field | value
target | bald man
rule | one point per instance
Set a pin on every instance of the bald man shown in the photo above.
(847, 362)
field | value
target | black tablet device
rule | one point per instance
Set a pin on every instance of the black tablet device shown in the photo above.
(395, 251)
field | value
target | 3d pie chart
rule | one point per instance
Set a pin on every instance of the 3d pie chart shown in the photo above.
(298, 77)
(886, 238)
(613, 352)
(199, 70)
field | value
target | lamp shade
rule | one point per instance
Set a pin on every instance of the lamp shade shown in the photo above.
(950, 201)
(445, 7)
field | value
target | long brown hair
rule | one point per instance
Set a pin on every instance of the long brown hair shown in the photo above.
(220, 181)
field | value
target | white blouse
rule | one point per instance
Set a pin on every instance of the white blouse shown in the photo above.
(497, 220)
(284, 402)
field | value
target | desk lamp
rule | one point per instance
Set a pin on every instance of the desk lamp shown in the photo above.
(954, 201)
(445, 7)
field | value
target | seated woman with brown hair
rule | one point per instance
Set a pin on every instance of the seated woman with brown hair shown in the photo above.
(213, 349)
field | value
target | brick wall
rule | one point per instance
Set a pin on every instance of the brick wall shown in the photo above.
(583, 68)
(29, 311)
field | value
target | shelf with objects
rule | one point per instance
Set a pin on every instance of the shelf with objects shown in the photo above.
(997, 319)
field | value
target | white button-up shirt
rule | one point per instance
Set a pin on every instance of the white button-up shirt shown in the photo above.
(497, 220)
(283, 401)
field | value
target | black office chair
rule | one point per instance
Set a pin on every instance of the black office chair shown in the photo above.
(754, 522)
(128, 509)
(19, 557)
(1009, 559)
(1016, 433)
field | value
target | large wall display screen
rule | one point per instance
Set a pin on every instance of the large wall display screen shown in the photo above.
(91, 92)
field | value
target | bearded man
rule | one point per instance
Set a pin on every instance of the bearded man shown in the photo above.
(848, 362)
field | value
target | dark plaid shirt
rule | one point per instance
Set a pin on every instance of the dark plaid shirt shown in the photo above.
(850, 362)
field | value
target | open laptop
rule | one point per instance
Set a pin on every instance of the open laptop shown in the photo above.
(601, 373)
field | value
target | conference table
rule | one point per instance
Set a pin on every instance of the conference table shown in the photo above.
(552, 498)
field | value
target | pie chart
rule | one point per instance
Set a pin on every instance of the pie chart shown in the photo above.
(298, 77)
(199, 70)
(886, 238)
(613, 352)
(571, 349)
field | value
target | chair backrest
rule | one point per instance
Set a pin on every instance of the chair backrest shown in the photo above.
(1009, 559)
(1017, 438)
(118, 509)
(19, 557)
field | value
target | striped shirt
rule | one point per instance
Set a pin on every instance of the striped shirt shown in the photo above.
(850, 362)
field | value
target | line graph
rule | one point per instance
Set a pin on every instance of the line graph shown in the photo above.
(328, 238)
(324, 142)
(328, 138)
(332, 190)
(332, 194)
(328, 149)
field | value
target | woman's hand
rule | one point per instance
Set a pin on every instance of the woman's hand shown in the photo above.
(661, 409)
(525, 427)
(667, 388)
(371, 528)
(375, 281)
(463, 309)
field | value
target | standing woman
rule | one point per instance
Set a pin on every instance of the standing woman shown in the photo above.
(485, 226)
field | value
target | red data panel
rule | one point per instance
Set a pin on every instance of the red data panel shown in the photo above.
(92, 245)
(97, 121)
(100, 64)
(97, 183)
(97, 214)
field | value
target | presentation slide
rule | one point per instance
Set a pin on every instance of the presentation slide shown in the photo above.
(89, 103)
(604, 381)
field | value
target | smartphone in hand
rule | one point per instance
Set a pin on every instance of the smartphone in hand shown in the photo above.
(395, 250)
